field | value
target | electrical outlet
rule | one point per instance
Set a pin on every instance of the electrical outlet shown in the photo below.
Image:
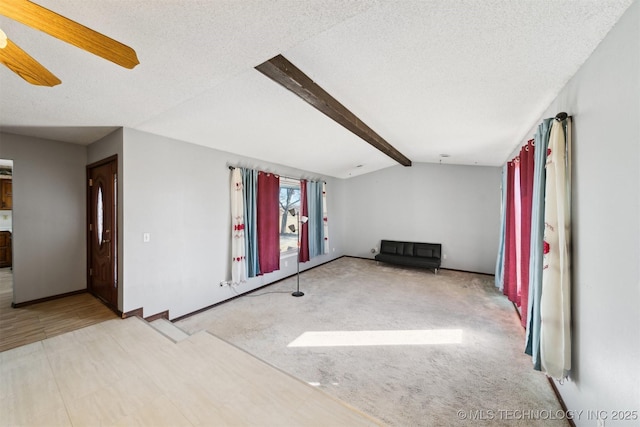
(286, 263)
(444, 256)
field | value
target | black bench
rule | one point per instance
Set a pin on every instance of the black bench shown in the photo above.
(413, 254)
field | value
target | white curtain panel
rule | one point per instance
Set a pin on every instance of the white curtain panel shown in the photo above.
(238, 260)
(555, 301)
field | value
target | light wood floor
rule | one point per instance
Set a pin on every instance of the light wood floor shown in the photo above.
(123, 372)
(20, 326)
(73, 362)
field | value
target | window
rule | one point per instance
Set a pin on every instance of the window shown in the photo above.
(289, 199)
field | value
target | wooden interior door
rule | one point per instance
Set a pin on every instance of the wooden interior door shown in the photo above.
(102, 231)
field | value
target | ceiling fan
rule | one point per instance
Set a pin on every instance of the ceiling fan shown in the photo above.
(43, 19)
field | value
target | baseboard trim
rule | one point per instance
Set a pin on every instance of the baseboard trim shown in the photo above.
(45, 299)
(138, 312)
(284, 278)
(161, 315)
(515, 307)
(357, 257)
(561, 401)
(193, 313)
(467, 271)
(420, 268)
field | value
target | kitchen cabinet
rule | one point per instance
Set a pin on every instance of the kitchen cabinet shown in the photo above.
(5, 249)
(6, 194)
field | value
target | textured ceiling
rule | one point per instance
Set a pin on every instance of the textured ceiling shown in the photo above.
(460, 77)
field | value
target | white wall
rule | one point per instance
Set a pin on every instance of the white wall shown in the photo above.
(176, 191)
(49, 243)
(457, 206)
(604, 100)
(179, 193)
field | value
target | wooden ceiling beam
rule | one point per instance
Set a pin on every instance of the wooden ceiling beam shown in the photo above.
(283, 72)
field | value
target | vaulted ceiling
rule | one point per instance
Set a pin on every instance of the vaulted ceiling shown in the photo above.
(458, 77)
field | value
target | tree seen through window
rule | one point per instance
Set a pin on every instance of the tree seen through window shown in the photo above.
(289, 198)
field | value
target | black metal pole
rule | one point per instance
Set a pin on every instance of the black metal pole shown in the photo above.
(297, 293)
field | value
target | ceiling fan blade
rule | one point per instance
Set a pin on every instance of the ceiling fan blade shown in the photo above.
(43, 19)
(19, 61)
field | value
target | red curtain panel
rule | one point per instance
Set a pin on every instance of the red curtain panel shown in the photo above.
(510, 262)
(527, 159)
(268, 232)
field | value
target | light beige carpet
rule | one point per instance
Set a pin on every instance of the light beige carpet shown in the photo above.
(478, 376)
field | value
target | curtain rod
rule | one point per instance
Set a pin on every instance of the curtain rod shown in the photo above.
(560, 117)
(283, 176)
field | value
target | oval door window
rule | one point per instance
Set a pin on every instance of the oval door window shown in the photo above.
(100, 219)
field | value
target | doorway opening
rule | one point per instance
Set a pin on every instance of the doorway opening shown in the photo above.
(6, 232)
